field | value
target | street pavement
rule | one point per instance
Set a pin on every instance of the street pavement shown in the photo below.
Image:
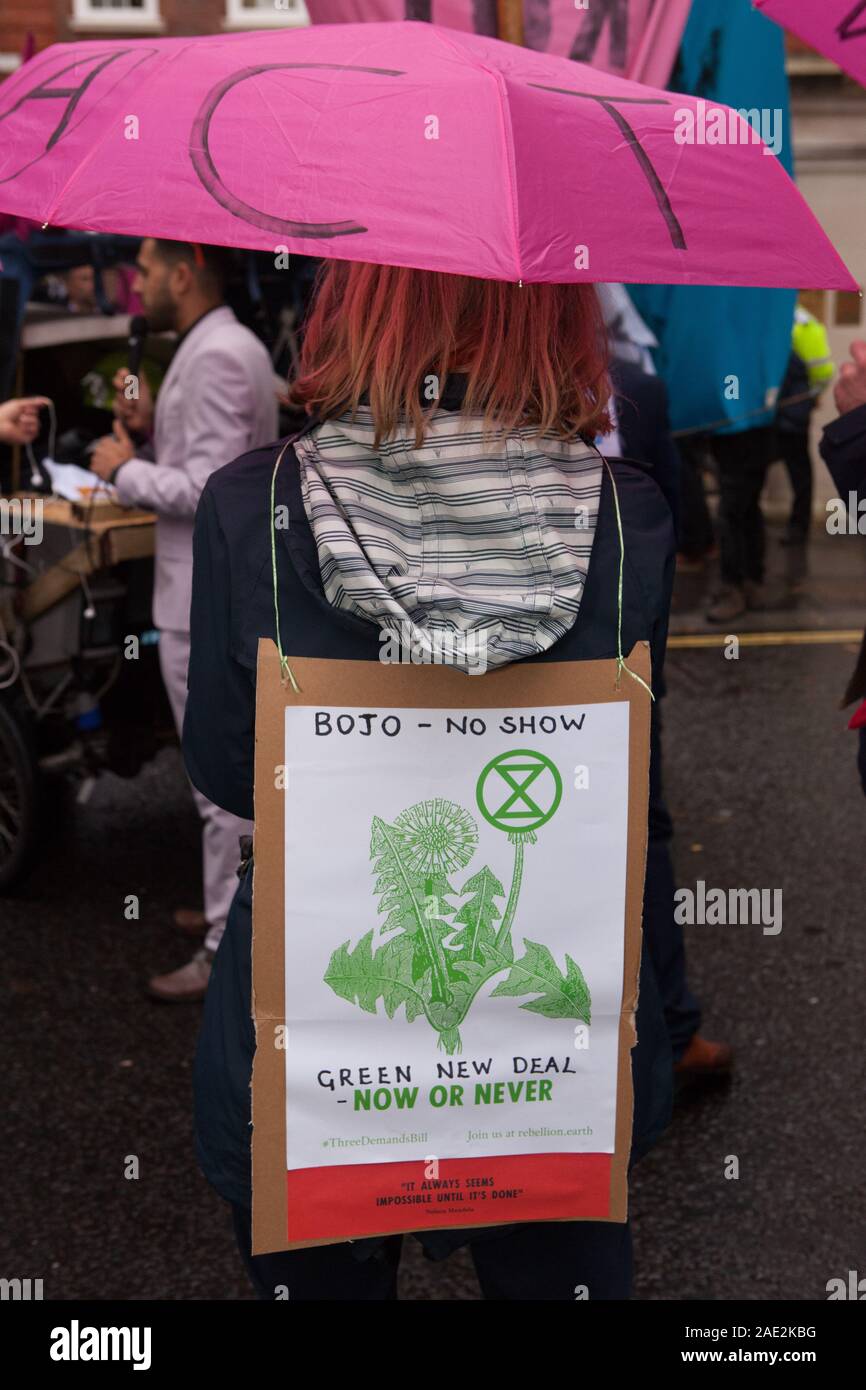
(761, 780)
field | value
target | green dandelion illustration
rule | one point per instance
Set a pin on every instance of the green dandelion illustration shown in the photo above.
(438, 836)
(433, 955)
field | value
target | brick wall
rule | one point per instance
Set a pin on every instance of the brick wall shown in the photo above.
(17, 17)
(178, 16)
(51, 21)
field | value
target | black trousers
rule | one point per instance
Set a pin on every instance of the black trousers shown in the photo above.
(696, 534)
(743, 460)
(662, 933)
(537, 1262)
(793, 448)
(666, 945)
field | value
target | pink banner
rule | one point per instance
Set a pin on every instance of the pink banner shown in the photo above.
(837, 28)
(632, 38)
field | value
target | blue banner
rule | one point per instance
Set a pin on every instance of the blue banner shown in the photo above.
(722, 350)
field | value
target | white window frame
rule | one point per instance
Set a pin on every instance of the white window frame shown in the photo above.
(267, 16)
(87, 16)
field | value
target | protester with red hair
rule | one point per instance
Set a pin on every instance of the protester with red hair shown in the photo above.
(447, 484)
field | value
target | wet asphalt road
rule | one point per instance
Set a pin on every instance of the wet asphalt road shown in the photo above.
(762, 784)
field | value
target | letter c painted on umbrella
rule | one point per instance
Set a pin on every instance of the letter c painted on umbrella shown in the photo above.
(206, 170)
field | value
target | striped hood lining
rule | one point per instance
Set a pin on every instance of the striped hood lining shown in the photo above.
(462, 555)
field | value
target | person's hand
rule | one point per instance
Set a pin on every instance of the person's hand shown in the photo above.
(19, 419)
(135, 414)
(850, 389)
(110, 452)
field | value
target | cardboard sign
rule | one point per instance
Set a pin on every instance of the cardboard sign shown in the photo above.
(447, 899)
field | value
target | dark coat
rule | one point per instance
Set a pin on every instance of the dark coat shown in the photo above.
(232, 607)
(645, 429)
(843, 449)
(794, 418)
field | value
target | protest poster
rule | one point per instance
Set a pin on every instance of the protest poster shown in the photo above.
(447, 900)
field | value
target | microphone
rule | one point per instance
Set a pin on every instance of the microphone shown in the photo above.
(135, 352)
(137, 335)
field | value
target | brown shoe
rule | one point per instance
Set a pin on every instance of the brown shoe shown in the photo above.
(186, 985)
(756, 595)
(690, 564)
(705, 1059)
(728, 603)
(190, 921)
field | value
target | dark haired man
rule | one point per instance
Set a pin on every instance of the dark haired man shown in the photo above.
(218, 400)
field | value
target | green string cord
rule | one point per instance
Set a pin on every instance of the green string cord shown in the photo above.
(286, 672)
(621, 664)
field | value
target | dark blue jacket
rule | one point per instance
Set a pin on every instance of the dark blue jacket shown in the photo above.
(644, 427)
(232, 607)
(843, 449)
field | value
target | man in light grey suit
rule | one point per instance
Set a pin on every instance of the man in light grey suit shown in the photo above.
(217, 401)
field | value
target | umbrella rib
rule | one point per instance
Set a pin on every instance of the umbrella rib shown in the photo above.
(507, 139)
(511, 171)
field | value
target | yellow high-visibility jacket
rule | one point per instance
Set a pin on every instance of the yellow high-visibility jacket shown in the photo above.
(809, 341)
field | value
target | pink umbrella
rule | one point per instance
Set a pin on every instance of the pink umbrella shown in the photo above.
(837, 28)
(402, 144)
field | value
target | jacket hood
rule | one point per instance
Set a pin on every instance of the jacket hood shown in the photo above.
(463, 554)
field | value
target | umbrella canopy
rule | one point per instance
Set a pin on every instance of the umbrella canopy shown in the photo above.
(403, 144)
(837, 28)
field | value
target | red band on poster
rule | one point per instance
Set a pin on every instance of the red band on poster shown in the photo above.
(354, 1199)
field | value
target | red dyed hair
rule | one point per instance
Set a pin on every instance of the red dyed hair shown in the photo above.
(533, 354)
